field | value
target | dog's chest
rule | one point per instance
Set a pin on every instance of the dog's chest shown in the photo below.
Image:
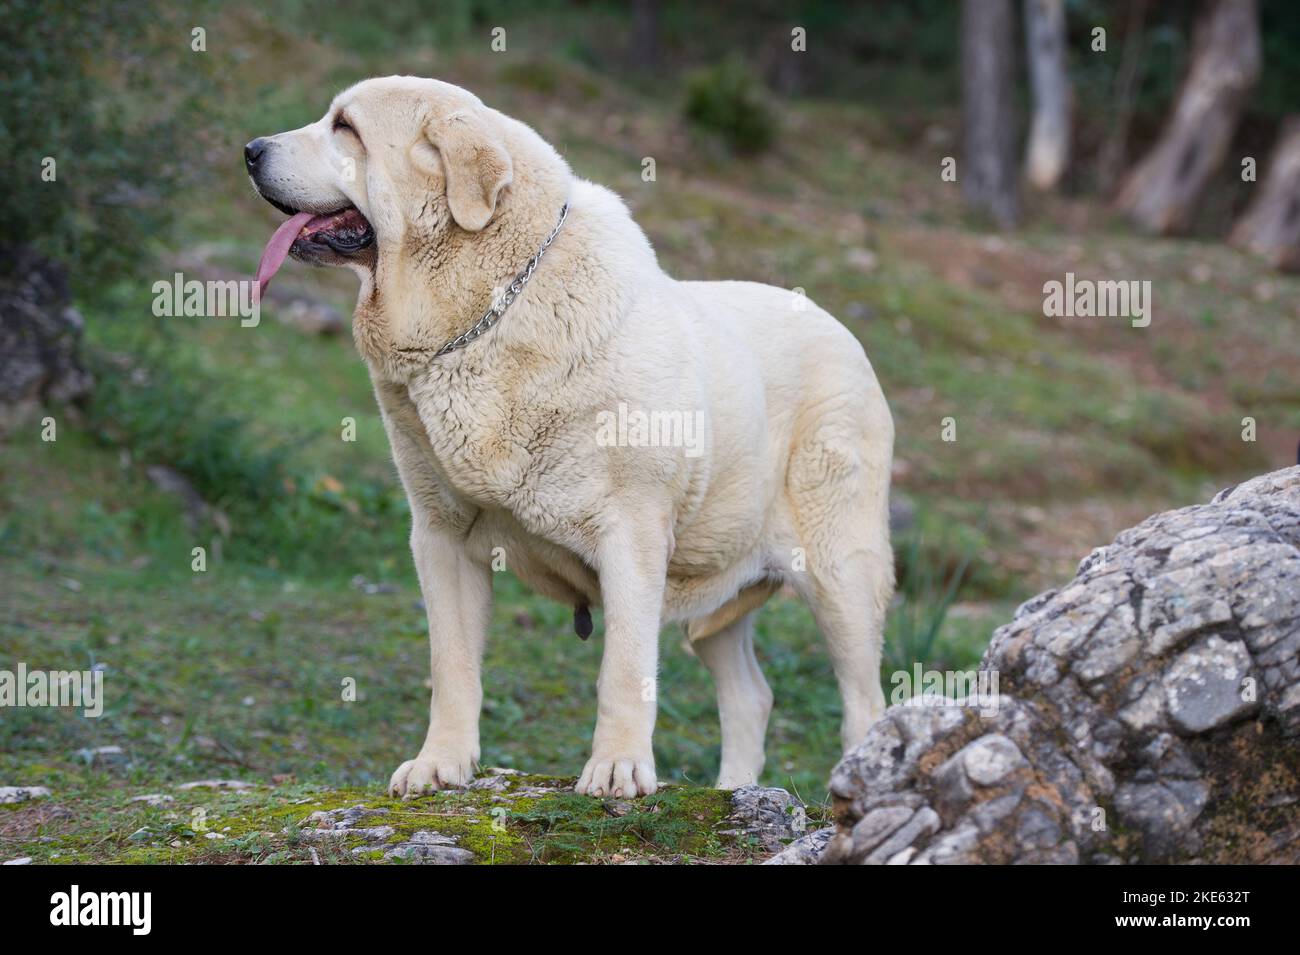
(495, 447)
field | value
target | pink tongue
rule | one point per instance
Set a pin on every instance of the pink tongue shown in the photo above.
(277, 250)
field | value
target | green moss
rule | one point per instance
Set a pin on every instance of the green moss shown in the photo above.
(533, 819)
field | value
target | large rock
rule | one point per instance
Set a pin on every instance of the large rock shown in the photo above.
(40, 338)
(1149, 712)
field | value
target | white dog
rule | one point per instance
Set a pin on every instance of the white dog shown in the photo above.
(669, 451)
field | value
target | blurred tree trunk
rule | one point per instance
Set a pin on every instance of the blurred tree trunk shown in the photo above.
(1048, 151)
(645, 33)
(1270, 226)
(1114, 148)
(989, 176)
(1161, 193)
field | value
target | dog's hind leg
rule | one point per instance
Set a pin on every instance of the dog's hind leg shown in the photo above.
(744, 700)
(838, 488)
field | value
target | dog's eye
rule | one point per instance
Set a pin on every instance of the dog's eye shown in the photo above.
(342, 124)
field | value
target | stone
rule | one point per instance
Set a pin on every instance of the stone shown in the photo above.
(15, 794)
(990, 759)
(421, 854)
(341, 819)
(423, 847)
(877, 826)
(153, 799)
(770, 816)
(1149, 713)
(922, 823)
(427, 847)
(41, 364)
(370, 834)
(216, 784)
(1203, 687)
(805, 850)
(104, 756)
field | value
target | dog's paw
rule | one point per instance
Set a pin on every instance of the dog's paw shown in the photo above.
(426, 774)
(620, 776)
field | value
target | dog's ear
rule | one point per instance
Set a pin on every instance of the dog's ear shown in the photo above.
(476, 164)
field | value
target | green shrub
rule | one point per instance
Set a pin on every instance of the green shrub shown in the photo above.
(729, 101)
(74, 78)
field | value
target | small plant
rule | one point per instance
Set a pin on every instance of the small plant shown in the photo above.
(84, 190)
(926, 599)
(728, 100)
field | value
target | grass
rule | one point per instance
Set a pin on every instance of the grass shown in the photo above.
(243, 668)
(1066, 433)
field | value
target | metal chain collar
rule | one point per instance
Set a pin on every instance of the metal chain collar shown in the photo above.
(498, 307)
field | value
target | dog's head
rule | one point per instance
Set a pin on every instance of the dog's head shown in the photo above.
(394, 162)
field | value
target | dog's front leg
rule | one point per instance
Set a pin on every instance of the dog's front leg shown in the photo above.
(632, 560)
(458, 599)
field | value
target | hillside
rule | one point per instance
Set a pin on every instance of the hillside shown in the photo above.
(1067, 431)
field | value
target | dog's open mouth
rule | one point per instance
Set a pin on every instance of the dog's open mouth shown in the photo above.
(345, 232)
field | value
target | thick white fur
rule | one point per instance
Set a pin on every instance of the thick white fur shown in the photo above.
(497, 444)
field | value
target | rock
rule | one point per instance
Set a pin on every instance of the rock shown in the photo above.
(14, 794)
(345, 824)
(989, 760)
(370, 834)
(40, 338)
(1149, 713)
(216, 784)
(770, 816)
(21, 860)
(805, 850)
(423, 847)
(430, 855)
(922, 822)
(497, 782)
(878, 825)
(153, 799)
(341, 819)
(103, 756)
(1203, 687)
(426, 847)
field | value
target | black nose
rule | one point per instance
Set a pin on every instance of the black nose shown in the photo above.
(253, 151)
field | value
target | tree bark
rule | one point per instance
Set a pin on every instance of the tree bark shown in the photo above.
(989, 176)
(645, 33)
(1161, 193)
(1048, 152)
(1270, 226)
(1113, 150)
